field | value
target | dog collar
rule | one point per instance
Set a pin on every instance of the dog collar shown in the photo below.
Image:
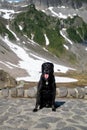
(46, 82)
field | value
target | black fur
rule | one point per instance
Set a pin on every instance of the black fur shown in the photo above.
(46, 90)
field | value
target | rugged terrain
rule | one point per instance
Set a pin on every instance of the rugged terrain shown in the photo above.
(30, 36)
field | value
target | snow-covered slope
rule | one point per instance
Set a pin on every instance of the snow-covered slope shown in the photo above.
(65, 12)
(24, 58)
(30, 63)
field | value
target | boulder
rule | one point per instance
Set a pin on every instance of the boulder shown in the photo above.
(61, 92)
(80, 93)
(6, 81)
(5, 92)
(20, 92)
(72, 92)
(31, 93)
(13, 92)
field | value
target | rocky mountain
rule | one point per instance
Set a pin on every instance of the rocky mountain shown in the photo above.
(28, 37)
(50, 3)
(54, 3)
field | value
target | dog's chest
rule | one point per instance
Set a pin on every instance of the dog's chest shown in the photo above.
(47, 86)
(46, 83)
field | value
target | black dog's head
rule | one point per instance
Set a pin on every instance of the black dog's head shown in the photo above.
(47, 70)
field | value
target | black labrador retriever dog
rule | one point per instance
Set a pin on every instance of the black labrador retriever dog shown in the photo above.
(46, 90)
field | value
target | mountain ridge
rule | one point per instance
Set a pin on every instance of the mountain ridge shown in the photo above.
(76, 4)
(9, 50)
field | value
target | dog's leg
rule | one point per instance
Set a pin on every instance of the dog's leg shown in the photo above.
(37, 103)
(53, 107)
(38, 99)
(53, 97)
(53, 103)
(36, 108)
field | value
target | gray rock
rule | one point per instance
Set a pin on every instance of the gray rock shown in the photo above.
(10, 128)
(62, 92)
(78, 112)
(14, 92)
(79, 118)
(72, 121)
(72, 92)
(81, 127)
(61, 125)
(68, 128)
(85, 90)
(3, 118)
(31, 93)
(13, 110)
(81, 92)
(42, 125)
(49, 119)
(20, 92)
(5, 92)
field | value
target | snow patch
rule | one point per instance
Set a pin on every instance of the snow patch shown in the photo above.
(12, 33)
(46, 39)
(60, 15)
(65, 80)
(67, 48)
(33, 65)
(7, 13)
(67, 39)
(20, 27)
(6, 65)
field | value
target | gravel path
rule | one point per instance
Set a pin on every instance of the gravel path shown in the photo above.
(16, 114)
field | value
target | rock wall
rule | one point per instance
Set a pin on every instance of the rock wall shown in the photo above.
(62, 92)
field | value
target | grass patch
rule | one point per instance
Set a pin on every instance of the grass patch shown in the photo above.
(38, 23)
(4, 31)
(80, 76)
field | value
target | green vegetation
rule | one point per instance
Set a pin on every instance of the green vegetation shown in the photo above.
(74, 35)
(38, 23)
(56, 42)
(76, 29)
(4, 31)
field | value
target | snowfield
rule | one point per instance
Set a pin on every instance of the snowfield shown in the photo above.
(33, 65)
(7, 14)
(29, 61)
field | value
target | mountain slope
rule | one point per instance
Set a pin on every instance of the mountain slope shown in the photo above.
(54, 3)
(24, 63)
(45, 30)
(39, 27)
(22, 56)
(35, 24)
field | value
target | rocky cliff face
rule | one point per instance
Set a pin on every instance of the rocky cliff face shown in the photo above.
(47, 3)
(6, 80)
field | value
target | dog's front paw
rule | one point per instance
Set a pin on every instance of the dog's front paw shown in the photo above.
(53, 109)
(35, 110)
